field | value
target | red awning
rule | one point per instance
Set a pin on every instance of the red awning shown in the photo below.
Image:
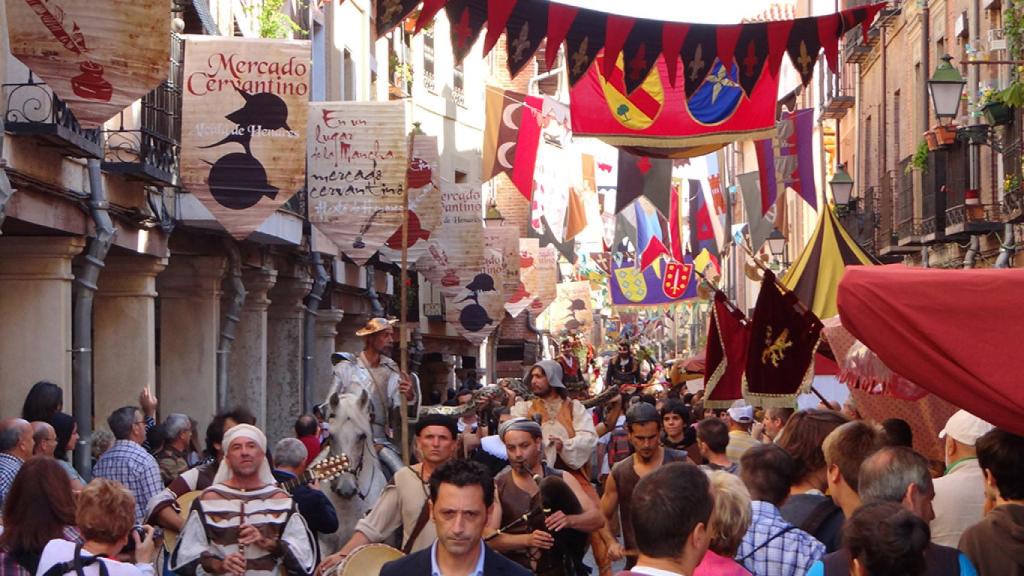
(957, 333)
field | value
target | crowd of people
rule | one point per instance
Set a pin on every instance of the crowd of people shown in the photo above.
(526, 481)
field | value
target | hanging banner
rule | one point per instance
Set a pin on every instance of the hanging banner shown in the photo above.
(571, 311)
(505, 240)
(424, 202)
(478, 307)
(664, 283)
(98, 60)
(456, 251)
(357, 163)
(243, 135)
(547, 279)
(522, 297)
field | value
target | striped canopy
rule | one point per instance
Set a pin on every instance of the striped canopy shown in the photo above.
(815, 275)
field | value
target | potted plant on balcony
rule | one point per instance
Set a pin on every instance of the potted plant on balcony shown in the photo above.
(945, 134)
(931, 140)
(919, 161)
(992, 104)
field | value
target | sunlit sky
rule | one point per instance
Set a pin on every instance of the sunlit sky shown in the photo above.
(707, 11)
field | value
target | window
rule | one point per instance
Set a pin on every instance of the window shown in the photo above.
(428, 59)
(866, 139)
(896, 111)
(461, 177)
(348, 76)
(458, 86)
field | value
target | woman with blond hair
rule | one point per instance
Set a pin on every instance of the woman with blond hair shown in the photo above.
(106, 518)
(729, 522)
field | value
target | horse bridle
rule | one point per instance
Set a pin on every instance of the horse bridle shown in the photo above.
(354, 471)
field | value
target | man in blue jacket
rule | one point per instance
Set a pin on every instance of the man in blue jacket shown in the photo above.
(314, 507)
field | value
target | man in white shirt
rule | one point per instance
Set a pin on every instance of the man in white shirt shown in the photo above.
(960, 492)
(671, 510)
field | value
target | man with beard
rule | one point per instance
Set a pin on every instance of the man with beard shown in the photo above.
(643, 422)
(572, 371)
(377, 374)
(403, 502)
(518, 494)
(624, 369)
(244, 523)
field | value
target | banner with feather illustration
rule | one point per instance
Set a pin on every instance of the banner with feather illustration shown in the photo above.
(522, 297)
(424, 202)
(572, 311)
(96, 60)
(243, 136)
(479, 306)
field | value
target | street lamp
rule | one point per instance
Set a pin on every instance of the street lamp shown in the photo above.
(777, 243)
(946, 87)
(842, 188)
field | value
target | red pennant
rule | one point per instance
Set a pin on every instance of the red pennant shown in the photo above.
(726, 354)
(430, 9)
(498, 12)
(655, 249)
(828, 36)
(618, 29)
(560, 18)
(727, 37)
(778, 34)
(672, 36)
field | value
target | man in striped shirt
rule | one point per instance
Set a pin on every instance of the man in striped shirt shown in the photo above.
(244, 523)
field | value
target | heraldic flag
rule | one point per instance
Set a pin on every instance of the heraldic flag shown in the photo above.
(783, 340)
(814, 277)
(726, 354)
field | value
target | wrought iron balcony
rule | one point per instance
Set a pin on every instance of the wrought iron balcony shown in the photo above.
(34, 110)
(908, 232)
(1013, 206)
(966, 220)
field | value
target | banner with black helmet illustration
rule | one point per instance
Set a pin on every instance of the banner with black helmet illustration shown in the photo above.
(479, 306)
(424, 203)
(358, 155)
(571, 312)
(243, 141)
(97, 60)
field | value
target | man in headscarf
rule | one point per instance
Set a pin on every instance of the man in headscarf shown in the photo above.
(244, 523)
(569, 437)
(376, 373)
(535, 543)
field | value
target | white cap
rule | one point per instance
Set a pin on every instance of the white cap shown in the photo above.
(965, 428)
(741, 412)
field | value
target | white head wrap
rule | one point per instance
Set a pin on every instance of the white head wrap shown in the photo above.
(238, 432)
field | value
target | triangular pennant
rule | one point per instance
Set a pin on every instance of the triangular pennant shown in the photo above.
(391, 12)
(698, 53)
(726, 38)
(640, 52)
(498, 12)
(778, 33)
(803, 47)
(617, 30)
(862, 15)
(654, 250)
(672, 35)
(427, 13)
(467, 19)
(524, 34)
(751, 54)
(583, 41)
(643, 176)
(560, 18)
(828, 35)
(576, 216)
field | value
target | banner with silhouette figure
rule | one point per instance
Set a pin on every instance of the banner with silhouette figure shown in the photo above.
(478, 307)
(243, 135)
(455, 253)
(424, 202)
(571, 312)
(526, 288)
(98, 60)
(357, 158)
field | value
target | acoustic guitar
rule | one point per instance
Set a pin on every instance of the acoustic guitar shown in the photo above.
(326, 469)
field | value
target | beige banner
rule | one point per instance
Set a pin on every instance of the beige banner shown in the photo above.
(456, 251)
(243, 137)
(521, 299)
(505, 239)
(98, 59)
(357, 160)
(424, 202)
(547, 279)
(478, 307)
(571, 312)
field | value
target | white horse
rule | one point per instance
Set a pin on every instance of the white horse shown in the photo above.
(353, 493)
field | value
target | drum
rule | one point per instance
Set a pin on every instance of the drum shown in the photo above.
(367, 560)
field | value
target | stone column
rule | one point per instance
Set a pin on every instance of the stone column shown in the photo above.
(323, 371)
(189, 291)
(124, 332)
(247, 366)
(35, 305)
(284, 355)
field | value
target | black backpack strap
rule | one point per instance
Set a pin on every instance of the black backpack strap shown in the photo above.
(765, 543)
(821, 512)
(77, 565)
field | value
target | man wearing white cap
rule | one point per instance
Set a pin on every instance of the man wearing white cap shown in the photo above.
(741, 418)
(244, 523)
(960, 492)
(376, 373)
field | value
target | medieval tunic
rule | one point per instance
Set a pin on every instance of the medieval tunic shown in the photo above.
(399, 504)
(514, 504)
(211, 532)
(626, 480)
(567, 420)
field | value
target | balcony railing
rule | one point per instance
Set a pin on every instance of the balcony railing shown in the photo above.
(459, 96)
(34, 110)
(967, 220)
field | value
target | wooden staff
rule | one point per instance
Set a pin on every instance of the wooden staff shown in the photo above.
(403, 330)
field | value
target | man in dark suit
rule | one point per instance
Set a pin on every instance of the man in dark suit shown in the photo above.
(314, 507)
(461, 496)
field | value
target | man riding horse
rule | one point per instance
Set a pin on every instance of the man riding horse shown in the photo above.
(376, 373)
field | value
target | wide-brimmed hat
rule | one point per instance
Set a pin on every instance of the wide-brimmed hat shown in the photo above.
(375, 325)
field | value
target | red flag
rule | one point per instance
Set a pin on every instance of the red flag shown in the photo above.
(498, 12)
(675, 231)
(512, 123)
(726, 354)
